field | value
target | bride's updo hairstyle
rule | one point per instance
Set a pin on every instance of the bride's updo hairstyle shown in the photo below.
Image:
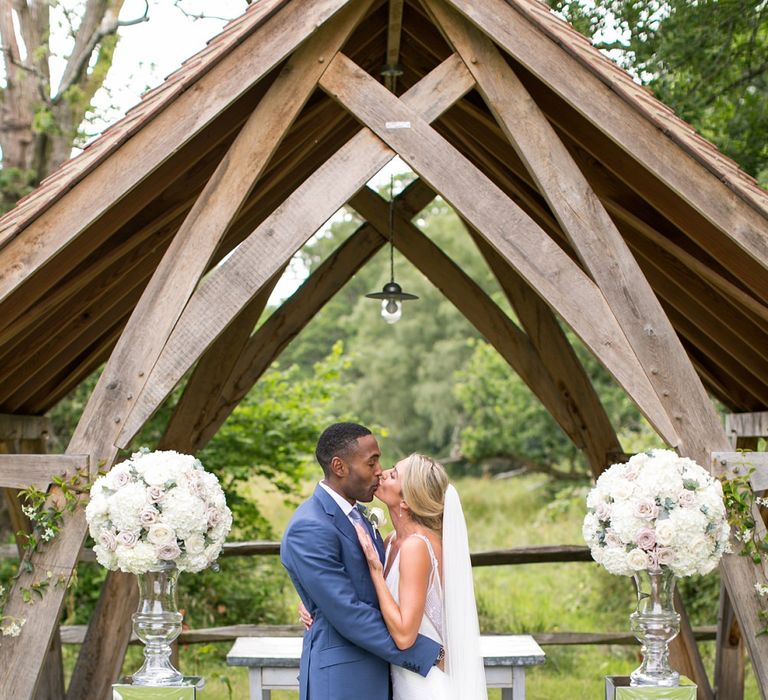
(424, 483)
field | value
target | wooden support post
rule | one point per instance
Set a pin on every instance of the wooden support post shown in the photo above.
(394, 34)
(173, 283)
(20, 435)
(559, 281)
(239, 277)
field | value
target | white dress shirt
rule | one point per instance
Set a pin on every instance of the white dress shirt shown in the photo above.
(343, 503)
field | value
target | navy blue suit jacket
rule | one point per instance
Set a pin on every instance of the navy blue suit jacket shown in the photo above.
(347, 651)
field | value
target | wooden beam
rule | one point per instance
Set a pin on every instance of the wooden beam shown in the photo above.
(601, 444)
(204, 386)
(559, 281)
(151, 147)
(266, 344)
(589, 228)
(263, 348)
(19, 471)
(746, 425)
(670, 176)
(394, 33)
(25, 435)
(236, 280)
(73, 634)
(478, 308)
(15, 429)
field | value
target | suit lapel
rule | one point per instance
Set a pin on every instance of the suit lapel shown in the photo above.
(340, 520)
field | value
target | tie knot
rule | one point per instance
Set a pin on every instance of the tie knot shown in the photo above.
(355, 515)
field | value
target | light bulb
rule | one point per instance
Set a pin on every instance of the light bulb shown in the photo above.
(391, 310)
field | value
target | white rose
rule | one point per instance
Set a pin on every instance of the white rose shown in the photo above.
(645, 509)
(127, 539)
(665, 532)
(637, 559)
(148, 516)
(155, 494)
(194, 544)
(108, 540)
(159, 533)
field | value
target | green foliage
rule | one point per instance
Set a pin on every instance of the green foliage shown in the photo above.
(706, 60)
(504, 421)
(15, 183)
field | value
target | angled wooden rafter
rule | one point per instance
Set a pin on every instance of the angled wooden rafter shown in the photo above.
(571, 293)
(705, 286)
(675, 178)
(211, 372)
(165, 135)
(601, 444)
(266, 344)
(237, 279)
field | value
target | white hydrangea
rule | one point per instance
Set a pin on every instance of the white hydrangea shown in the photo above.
(158, 507)
(185, 511)
(125, 506)
(670, 503)
(137, 559)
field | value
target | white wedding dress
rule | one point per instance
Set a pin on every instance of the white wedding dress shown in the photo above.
(408, 685)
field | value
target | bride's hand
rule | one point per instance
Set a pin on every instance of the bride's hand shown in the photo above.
(374, 563)
(304, 617)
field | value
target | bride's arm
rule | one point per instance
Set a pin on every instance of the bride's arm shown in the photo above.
(402, 621)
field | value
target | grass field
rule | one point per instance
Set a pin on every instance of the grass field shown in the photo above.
(577, 597)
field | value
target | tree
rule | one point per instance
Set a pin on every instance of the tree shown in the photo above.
(708, 60)
(42, 114)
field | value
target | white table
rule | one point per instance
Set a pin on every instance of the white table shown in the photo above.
(273, 663)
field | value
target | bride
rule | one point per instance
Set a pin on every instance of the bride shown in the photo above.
(426, 584)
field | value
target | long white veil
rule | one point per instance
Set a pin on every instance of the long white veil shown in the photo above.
(464, 663)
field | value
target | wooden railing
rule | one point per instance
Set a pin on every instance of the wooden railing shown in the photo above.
(74, 634)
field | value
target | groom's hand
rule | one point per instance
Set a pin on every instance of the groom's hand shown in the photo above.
(304, 617)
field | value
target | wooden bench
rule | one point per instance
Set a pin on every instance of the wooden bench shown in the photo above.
(273, 663)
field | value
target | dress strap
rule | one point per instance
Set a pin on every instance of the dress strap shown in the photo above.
(433, 575)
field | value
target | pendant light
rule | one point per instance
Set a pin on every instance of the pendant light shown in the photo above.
(392, 295)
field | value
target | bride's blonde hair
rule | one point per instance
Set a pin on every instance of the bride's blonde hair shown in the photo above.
(424, 483)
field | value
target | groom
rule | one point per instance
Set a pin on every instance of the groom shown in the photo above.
(347, 650)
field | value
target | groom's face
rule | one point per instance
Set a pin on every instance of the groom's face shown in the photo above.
(363, 469)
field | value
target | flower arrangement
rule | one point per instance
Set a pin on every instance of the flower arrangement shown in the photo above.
(657, 510)
(158, 507)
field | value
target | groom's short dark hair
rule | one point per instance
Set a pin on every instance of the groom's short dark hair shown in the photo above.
(336, 440)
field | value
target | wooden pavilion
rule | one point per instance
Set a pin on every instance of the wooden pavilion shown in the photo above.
(156, 249)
